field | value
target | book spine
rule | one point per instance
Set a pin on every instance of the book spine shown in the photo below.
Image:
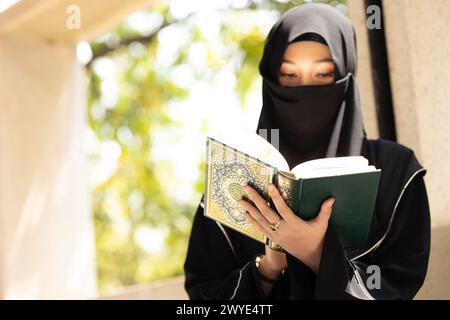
(272, 245)
(298, 196)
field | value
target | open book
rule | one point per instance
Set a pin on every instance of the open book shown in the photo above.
(232, 164)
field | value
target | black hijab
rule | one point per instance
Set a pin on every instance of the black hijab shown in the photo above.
(313, 121)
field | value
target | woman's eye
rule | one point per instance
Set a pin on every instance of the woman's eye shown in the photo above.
(325, 75)
(290, 75)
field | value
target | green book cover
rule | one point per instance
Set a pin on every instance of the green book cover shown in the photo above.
(355, 196)
(229, 169)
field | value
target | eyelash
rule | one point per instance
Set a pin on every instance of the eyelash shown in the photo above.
(321, 75)
(325, 75)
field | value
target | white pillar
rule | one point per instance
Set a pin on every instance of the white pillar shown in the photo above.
(47, 246)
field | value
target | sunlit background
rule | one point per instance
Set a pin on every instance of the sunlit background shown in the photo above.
(134, 87)
(157, 84)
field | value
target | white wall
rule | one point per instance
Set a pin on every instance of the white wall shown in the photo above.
(46, 233)
(419, 60)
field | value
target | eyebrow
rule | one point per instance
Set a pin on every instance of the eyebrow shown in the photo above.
(315, 61)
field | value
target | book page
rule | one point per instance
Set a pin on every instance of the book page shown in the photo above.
(332, 167)
(252, 144)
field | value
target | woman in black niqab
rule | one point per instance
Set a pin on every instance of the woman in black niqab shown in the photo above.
(313, 121)
(220, 262)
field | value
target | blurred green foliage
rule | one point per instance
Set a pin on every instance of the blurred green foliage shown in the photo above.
(133, 196)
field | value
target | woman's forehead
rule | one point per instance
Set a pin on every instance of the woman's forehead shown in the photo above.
(324, 21)
(307, 48)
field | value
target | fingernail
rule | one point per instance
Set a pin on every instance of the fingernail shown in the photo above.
(332, 202)
(246, 189)
(271, 188)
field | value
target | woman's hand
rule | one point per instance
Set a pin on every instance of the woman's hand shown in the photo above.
(273, 263)
(271, 266)
(303, 239)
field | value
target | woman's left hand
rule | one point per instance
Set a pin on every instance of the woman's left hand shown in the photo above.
(302, 239)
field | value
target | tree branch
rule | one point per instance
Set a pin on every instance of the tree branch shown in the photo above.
(105, 49)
